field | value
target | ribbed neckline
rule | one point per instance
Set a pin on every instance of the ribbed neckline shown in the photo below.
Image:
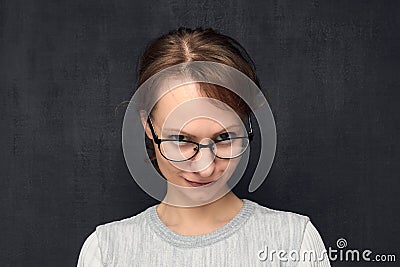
(184, 241)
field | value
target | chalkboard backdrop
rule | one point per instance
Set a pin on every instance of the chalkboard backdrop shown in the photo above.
(330, 70)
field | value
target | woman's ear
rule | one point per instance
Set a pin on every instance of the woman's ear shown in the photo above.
(143, 118)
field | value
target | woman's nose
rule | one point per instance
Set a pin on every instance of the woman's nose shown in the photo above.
(208, 171)
(204, 162)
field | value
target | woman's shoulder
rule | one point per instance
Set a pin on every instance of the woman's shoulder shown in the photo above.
(278, 228)
(125, 224)
(277, 217)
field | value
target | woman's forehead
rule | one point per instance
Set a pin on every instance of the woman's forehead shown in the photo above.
(186, 103)
(179, 95)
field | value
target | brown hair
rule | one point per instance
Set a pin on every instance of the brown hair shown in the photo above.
(185, 45)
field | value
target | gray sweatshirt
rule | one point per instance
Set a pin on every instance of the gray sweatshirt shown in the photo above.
(256, 236)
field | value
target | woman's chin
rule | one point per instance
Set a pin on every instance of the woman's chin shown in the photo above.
(187, 195)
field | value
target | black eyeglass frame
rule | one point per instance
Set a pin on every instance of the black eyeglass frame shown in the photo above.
(158, 141)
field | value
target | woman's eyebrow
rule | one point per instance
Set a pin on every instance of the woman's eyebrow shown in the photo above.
(177, 131)
(173, 130)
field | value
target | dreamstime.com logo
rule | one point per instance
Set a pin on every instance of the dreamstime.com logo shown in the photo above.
(340, 253)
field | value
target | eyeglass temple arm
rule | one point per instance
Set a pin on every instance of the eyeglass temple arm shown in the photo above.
(156, 139)
(251, 135)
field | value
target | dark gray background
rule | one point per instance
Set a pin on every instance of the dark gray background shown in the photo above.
(329, 68)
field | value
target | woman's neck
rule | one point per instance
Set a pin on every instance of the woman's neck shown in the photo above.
(202, 219)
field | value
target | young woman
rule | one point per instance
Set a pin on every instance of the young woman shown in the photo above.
(198, 133)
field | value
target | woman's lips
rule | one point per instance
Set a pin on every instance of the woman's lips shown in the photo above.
(196, 184)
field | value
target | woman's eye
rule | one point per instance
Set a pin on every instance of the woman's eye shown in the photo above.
(225, 136)
(178, 137)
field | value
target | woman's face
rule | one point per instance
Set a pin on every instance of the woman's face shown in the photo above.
(183, 113)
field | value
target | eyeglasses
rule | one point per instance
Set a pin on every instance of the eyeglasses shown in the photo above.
(179, 149)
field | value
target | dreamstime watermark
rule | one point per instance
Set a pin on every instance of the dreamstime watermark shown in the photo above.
(340, 253)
